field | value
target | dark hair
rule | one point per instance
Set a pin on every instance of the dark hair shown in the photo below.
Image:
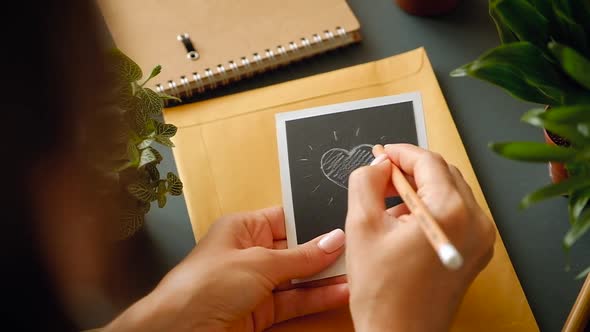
(52, 67)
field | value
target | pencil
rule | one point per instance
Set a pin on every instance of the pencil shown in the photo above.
(448, 254)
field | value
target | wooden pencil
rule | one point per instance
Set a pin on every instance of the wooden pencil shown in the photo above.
(448, 254)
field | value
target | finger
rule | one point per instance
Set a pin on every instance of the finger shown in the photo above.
(377, 151)
(405, 156)
(314, 283)
(398, 210)
(263, 227)
(280, 244)
(304, 301)
(323, 282)
(411, 181)
(366, 196)
(469, 198)
(275, 218)
(406, 218)
(461, 184)
(436, 185)
(426, 167)
(305, 260)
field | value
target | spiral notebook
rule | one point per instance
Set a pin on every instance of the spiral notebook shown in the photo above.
(202, 44)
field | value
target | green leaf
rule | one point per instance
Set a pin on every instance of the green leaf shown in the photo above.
(571, 32)
(161, 201)
(533, 151)
(131, 221)
(164, 141)
(543, 7)
(155, 72)
(126, 68)
(132, 153)
(144, 208)
(556, 189)
(505, 77)
(135, 88)
(156, 153)
(505, 34)
(568, 114)
(125, 98)
(140, 120)
(150, 128)
(584, 273)
(142, 192)
(165, 129)
(145, 143)
(527, 59)
(123, 166)
(573, 63)
(581, 13)
(577, 202)
(578, 168)
(578, 229)
(147, 156)
(162, 187)
(523, 20)
(567, 131)
(525, 72)
(165, 96)
(150, 102)
(584, 129)
(174, 184)
(162, 193)
(153, 172)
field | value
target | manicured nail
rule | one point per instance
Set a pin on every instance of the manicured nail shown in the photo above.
(379, 159)
(387, 145)
(343, 288)
(332, 241)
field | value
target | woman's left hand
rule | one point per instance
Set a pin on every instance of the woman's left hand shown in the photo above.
(238, 279)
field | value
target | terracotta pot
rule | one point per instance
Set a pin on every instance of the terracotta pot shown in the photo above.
(427, 7)
(557, 170)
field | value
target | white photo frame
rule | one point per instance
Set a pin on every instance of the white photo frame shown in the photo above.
(338, 268)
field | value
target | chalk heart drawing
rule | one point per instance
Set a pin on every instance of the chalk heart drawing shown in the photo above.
(337, 164)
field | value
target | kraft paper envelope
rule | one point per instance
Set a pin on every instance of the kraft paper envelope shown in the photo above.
(226, 154)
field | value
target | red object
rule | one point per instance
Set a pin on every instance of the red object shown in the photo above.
(557, 170)
(427, 7)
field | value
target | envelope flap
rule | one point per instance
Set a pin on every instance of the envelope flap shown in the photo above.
(226, 153)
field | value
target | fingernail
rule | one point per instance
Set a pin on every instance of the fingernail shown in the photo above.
(379, 159)
(387, 145)
(343, 288)
(332, 241)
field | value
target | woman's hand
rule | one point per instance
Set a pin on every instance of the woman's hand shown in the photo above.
(396, 280)
(238, 279)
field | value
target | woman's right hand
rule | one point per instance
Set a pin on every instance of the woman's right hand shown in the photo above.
(396, 280)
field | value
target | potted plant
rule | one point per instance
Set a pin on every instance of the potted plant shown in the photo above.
(427, 7)
(132, 163)
(544, 58)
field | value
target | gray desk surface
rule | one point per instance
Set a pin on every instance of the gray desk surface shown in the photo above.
(483, 113)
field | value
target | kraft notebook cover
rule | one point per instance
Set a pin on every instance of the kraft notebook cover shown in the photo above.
(202, 44)
(226, 153)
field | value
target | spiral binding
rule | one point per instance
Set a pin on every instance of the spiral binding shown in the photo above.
(210, 78)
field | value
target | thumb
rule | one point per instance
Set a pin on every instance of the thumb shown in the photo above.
(307, 259)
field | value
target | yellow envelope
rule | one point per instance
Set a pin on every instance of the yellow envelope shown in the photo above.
(226, 153)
